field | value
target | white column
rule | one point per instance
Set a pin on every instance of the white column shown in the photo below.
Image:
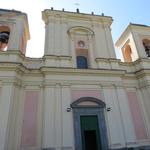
(6, 103)
(49, 117)
(116, 137)
(67, 119)
(129, 132)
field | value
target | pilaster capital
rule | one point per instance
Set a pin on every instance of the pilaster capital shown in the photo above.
(48, 84)
(115, 85)
(9, 81)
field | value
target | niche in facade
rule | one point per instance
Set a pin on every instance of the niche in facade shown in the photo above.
(80, 36)
(127, 53)
(4, 37)
(82, 54)
(146, 44)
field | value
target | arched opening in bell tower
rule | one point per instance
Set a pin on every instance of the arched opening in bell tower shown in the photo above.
(127, 53)
(4, 37)
(146, 44)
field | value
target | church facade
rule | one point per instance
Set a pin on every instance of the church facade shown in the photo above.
(78, 96)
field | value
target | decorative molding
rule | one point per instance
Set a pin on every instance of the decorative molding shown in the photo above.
(76, 104)
(86, 30)
(75, 16)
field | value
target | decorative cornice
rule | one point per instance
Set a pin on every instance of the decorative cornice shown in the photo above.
(75, 16)
(60, 57)
(76, 104)
(88, 72)
(86, 30)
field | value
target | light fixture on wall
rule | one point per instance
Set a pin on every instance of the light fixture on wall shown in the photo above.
(68, 109)
(108, 108)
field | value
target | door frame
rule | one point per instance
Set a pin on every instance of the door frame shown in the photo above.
(86, 110)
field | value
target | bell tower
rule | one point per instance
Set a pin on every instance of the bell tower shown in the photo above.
(135, 42)
(14, 30)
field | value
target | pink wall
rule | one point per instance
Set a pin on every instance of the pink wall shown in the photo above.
(76, 94)
(29, 128)
(136, 116)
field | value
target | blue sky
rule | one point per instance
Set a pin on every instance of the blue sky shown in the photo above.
(122, 11)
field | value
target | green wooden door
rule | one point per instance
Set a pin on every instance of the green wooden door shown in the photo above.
(90, 133)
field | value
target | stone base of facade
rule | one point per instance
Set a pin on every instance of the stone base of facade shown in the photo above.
(64, 148)
(48, 149)
(134, 148)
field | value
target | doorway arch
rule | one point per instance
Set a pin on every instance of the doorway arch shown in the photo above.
(89, 124)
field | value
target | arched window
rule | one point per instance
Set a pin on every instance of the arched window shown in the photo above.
(146, 44)
(4, 37)
(82, 54)
(82, 62)
(127, 54)
(80, 37)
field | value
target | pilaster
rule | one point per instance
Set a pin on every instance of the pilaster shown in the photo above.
(100, 43)
(57, 37)
(67, 118)
(128, 129)
(138, 44)
(58, 117)
(91, 51)
(64, 38)
(73, 52)
(13, 125)
(49, 37)
(109, 42)
(145, 93)
(6, 104)
(16, 35)
(116, 137)
(19, 122)
(49, 135)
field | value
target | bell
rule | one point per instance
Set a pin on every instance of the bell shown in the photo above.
(4, 37)
(147, 49)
